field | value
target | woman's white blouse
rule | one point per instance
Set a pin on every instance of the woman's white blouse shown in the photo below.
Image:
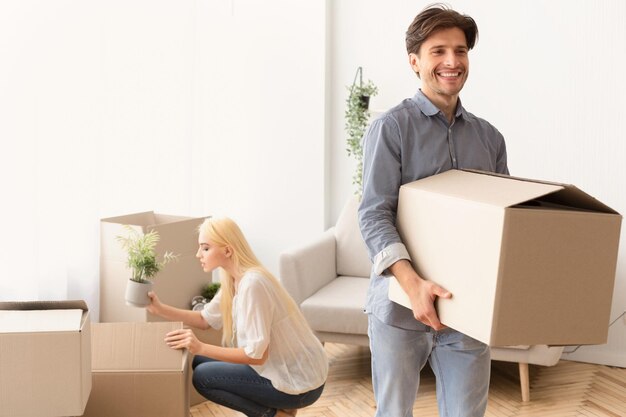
(297, 361)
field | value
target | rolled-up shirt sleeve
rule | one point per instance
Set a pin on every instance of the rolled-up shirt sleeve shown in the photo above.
(382, 177)
(389, 256)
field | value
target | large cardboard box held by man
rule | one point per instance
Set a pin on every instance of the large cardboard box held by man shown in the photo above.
(45, 358)
(528, 262)
(135, 373)
(176, 284)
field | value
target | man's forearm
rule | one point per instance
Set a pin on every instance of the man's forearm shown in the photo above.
(406, 275)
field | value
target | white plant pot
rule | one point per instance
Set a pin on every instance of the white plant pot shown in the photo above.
(137, 293)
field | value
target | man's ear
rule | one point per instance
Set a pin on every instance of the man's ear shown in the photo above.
(414, 62)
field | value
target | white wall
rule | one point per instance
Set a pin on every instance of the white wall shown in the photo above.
(545, 73)
(187, 108)
(260, 116)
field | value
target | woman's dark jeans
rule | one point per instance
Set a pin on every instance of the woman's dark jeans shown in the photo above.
(240, 388)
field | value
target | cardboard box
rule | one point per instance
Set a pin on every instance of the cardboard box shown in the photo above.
(176, 284)
(45, 358)
(528, 262)
(135, 373)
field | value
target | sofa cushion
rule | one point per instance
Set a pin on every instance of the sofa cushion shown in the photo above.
(352, 257)
(338, 307)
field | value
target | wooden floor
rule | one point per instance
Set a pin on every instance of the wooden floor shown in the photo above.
(567, 389)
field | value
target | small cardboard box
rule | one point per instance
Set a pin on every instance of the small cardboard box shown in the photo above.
(528, 262)
(45, 358)
(135, 373)
(176, 284)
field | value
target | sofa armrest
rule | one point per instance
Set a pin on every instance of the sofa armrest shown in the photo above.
(303, 271)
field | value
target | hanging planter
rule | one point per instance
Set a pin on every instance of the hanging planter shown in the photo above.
(364, 101)
(357, 116)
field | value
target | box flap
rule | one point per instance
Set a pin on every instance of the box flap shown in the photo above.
(26, 321)
(177, 234)
(143, 219)
(44, 305)
(572, 197)
(496, 190)
(134, 347)
(569, 197)
(146, 220)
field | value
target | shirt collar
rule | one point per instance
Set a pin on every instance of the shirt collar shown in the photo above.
(429, 109)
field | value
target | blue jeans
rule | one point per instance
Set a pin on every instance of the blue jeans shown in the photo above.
(240, 388)
(461, 366)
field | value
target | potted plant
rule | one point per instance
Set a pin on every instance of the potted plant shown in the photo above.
(208, 292)
(143, 263)
(357, 115)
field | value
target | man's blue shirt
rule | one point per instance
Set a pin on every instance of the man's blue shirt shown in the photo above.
(411, 141)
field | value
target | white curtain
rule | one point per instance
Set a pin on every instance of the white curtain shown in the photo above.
(96, 120)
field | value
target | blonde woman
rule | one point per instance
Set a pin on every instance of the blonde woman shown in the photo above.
(270, 363)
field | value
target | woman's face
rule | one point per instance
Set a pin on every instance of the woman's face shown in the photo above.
(210, 255)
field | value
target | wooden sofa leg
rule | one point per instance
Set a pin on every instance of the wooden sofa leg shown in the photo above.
(524, 381)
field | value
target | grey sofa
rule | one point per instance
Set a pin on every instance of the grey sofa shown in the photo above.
(329, 277)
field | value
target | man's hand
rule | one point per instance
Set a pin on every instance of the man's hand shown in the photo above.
(422, 293)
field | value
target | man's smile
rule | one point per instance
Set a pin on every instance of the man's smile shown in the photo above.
(449, 74)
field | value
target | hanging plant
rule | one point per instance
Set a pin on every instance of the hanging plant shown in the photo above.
(357, 115)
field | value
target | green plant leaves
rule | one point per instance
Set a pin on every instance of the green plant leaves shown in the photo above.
(210, 290)
(142, 258)
(356, 116)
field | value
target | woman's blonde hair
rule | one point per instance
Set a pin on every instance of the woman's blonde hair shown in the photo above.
(224, 232)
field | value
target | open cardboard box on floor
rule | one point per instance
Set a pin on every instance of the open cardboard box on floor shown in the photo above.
(528, 262)
(176, 284)
(45, 358)
(135, 373)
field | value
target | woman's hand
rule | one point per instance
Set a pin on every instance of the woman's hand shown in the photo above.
(155, 304)
(188, 317)
(183, 339)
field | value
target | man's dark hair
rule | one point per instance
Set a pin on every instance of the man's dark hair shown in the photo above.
(436, 17)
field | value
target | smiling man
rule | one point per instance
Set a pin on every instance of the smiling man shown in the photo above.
(422, 136)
